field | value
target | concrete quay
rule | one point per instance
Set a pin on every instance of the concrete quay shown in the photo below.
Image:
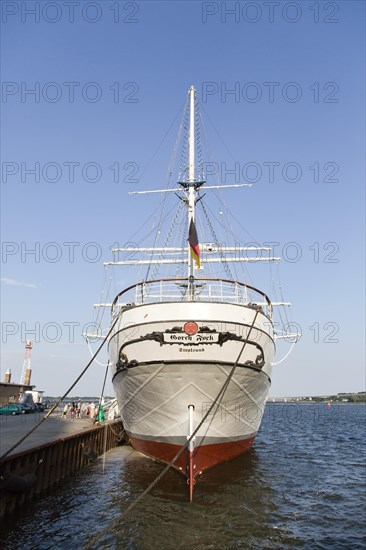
(54, 452)
(12, 428)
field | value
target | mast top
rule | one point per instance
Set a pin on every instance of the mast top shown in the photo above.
(191, 140)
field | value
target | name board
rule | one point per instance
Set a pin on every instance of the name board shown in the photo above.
(181, 338)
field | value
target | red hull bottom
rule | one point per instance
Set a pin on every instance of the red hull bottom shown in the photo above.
(193, 464)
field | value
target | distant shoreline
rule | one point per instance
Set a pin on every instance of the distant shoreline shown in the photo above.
(340, 398)
(292, 401)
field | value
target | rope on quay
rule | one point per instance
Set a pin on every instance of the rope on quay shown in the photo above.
(90, 544)
(2, 457)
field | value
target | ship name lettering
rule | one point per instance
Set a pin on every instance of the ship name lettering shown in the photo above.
(180, 337)
(191, 349)
(206, 338)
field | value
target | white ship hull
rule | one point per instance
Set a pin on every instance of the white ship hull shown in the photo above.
(164, 371)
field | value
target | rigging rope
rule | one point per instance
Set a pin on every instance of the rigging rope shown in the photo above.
(100, 311)
(200, 165)
(91, 353)
(104, 381)
(246, 273)
(216, 402)
(164, 199)
(184, 150)
(277, 276)
(170, 232)
(220, 197)
(2, 457)
(219, 248)
(287, 354)
(161, 142)
(165, 195)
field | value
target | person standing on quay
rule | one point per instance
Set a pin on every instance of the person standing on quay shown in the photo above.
(64, 412)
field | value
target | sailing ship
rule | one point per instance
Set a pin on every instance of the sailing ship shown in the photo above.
(178, 340)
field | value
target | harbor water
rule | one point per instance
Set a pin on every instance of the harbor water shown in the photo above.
(302, 485)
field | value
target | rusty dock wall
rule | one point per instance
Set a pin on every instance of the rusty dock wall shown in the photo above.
(26, 475)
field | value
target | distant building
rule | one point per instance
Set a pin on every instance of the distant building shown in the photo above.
(9, 393)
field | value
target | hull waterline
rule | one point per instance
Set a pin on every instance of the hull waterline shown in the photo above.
(202, 458)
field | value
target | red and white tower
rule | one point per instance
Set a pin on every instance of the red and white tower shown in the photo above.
(26, 373)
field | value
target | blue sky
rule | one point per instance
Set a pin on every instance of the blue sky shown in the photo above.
(108, 92)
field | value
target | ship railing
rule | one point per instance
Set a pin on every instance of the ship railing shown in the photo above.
(199, 290)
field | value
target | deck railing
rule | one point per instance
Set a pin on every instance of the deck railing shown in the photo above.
(197, 290)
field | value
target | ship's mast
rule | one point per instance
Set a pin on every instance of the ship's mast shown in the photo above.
(189, 189)
(192, 93)
(191, 181)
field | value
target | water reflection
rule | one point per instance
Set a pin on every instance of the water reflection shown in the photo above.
(290, 490)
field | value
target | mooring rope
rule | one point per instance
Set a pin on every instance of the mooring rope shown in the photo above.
(63, 397)
(217, 400)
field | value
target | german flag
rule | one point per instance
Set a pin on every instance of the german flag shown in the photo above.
(193, 243)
